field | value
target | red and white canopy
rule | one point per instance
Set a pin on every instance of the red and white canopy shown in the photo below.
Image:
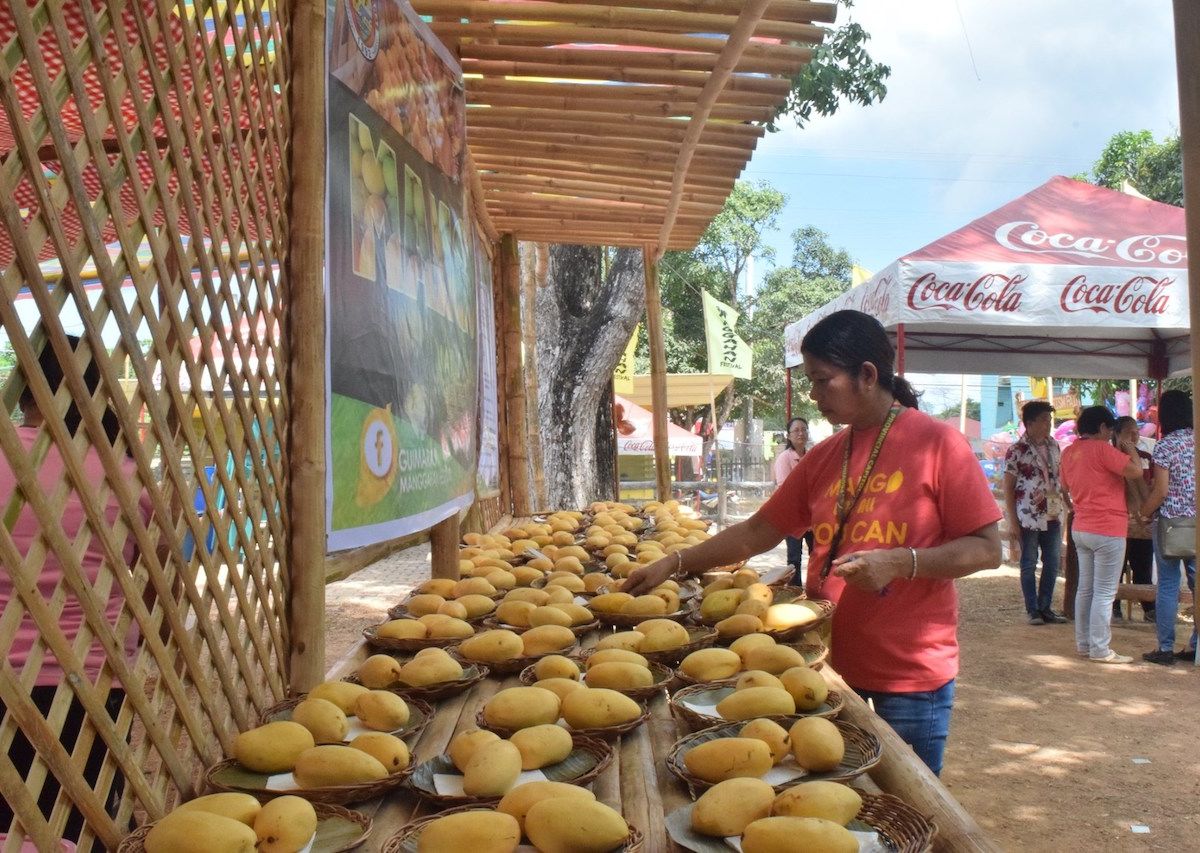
(635, 432)
(1069, 279)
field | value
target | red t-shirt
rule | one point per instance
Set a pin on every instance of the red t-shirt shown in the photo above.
(1091, 470)
(927, 488)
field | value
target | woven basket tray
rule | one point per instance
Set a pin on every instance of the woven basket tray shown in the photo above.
(577, 630)
(623, 620)
(782, 635)
(694, 720)
(227, 775)
(405, 840)
(604, 733)
(663, 676)
(420, 714)
(515, 665)
(389, 644)
(588, 759)
(862, 753)
(901, 827)
(699, 637)
(338, 829)
(814, 655)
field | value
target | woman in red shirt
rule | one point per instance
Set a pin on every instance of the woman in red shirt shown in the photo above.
(899, 508)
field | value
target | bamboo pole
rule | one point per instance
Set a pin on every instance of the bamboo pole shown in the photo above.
(778, 10)
(586, 92)
(306, 339)
(1187, 61)
(514, 386)
(443, 549)
(779, 87)
(665, 109)
(751, 62)
(658, 377)
(583, 121)
(739, 38)
(656, 162)
(544, 165)
(608, 140)
(477, 199)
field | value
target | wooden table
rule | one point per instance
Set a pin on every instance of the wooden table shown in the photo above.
(638, 784)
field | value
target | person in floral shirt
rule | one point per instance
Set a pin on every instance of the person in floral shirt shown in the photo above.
(1033, 498)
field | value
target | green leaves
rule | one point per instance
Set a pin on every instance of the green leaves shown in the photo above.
(1155, 169)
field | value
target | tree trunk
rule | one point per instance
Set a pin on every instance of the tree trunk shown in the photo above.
(584, 321)
(606, 449)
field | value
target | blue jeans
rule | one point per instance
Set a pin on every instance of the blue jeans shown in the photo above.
(921, 719)
(1038, 596)
(1166, 607)
(1100, 561)
(795, 555)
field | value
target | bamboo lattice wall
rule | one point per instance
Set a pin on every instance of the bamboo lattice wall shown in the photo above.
(144, 143)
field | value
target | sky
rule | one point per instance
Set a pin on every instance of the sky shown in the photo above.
(986, 101)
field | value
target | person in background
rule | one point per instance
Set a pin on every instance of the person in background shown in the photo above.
(900, 508)
(1093, 472)
(795, 446)
(1139, 555)
(1034, 500)
(1172, 495)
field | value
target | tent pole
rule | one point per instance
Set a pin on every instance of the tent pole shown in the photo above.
(900, 349)
(658, 376)
(788, 399)
(1187, 63)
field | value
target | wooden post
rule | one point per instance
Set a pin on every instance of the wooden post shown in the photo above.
(900, 349)
(509, 308)
(658, 376)
(443, 548)
(1187, 62)
(787, 403)
(537, 473)
(306, 349)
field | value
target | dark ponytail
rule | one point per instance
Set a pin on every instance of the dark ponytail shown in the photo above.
(850, 339)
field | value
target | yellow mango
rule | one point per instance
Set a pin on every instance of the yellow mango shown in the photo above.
(774, 659)
(721, 605)
(610, 602)
(379, 671)
(817, 744)
(449, 628)
(341, 693)
(522, 798)
(194, 831)
(827, 800)
(403, 629)
(757, 678)
(536, 597)
(515, 613)
(463, 745)
(423, 671)
(475, 605)
(241, 807)
(437, 586)
(807, 687)
(598, 708)
(421, 605)
(521, 707)
(387, 749)
(556, 666)
(572, 825)
(728, 758)
(541, 746)
(789, 615)
(728, 807)
(492, 770)
(560, 687)
(272, 748)
(743, 645)
(549, 616)
(324, 766)
(619, 675)
(786, 834)
(381, 710)
(323, 718)
(644, 605)
(711, 664)
(739, 625)
(772, 734)
(285, 825)
(483, 831)
(577, 613)
(547, 638)
(756, 702)
(492, 646)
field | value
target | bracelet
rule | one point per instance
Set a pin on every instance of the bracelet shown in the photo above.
(913, 574)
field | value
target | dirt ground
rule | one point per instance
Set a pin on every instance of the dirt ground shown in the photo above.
(1047, 751)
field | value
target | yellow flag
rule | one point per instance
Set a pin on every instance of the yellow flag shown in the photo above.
(858, 275)
(623, 374)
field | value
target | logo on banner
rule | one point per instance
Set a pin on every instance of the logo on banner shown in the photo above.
(363, 17)
(1169, 249)
(1139, 295)
(993, 292)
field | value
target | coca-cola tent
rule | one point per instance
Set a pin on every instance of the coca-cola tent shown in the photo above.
(635, 432)
(1069, 279)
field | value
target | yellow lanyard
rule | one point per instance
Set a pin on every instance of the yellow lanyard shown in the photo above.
(844, 508)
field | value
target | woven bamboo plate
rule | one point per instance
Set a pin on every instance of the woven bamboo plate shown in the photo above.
(473, 673)
(390, 644)
(814, 655)
(419, 715)
(588, 759)
(228, 775)
(663, 675)
(699, 637)
(512, 666)
(407, 838)
(823, 610)
(603, 733)
(862, 753)
(714, 691)
(577, 630)
(901, 827)
(624, 620)
(338, 829)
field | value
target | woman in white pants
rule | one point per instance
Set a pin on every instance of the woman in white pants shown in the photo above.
(1094, 474)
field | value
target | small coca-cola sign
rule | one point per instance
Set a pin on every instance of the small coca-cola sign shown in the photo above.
(994, 292)
(1141, 294)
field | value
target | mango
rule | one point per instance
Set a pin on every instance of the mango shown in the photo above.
(743, 645)
(522, 707)
(662, 634)
(749, 608)
(324, 766)
(610, 602)
(522, 798)
(477, 831)
(500, 579)
(379, 671)
(285, 825)
(789, 615)
(387, 749)
(615, 656)
(272, 748)
(594, 708)
(739, 625)
(577, 613)
(475, 605)
(241, 807)
(745, 578)
(807, 687)
(492, 646)
(574, 825)
(324, 719)
(547, 638)
(827, 800)
(556, 666)
(449, 628)
(536, 597)
(560, 687)
(721, 583)
(473, 586)
(515, 613)
(757, 678)
(645, 605)
(628, 640)
(423, 604)
(756, 702)
(786, 834)
(772, 734)
(817, 744)
(452, 609)
(492, 770)
(619, 676)
(381, 711)
(527, 574)
(341, 693)
(728, 807)
(711, 664)
(728, 758)
(774, 659)
(463, 745)
(423, 671)
(549, 616)
(437, 586)
(403, 629)
(195, 831)
(720, 605)
(541, 746)
(561, 593)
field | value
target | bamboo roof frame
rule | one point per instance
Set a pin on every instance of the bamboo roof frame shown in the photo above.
(619, 123)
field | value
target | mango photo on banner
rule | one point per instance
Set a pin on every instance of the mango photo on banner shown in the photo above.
(378, 453)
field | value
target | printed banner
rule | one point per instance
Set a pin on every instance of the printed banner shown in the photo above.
(727, 353)
(403, 357)
(623, 374)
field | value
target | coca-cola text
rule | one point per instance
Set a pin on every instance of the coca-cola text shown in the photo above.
(1139, 295)
(990, 292)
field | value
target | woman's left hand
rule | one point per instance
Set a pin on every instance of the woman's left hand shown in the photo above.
(874, 570)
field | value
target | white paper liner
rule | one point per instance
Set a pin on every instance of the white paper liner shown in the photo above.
(868, 842)
(282, 782)
(451, 784)
(701, 707)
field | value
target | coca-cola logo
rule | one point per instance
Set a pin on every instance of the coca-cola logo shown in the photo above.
(877, 300)
(1139, 295)
(1024, 236)
(994, 292)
